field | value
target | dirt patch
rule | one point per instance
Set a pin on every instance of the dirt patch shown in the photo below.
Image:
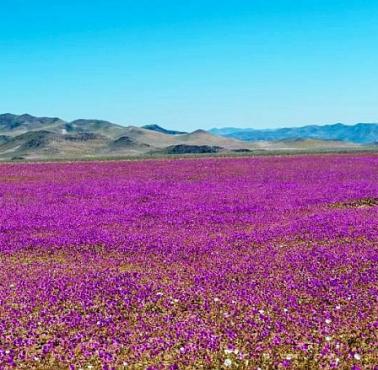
(357, 203)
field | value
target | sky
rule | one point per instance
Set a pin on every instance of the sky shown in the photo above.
(191, 64)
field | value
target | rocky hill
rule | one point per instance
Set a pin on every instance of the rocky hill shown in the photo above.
(36, 138)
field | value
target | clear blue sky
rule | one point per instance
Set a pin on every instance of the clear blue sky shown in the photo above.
(193, 63)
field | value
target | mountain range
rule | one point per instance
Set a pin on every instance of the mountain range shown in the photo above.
(35, 138)
(361, 133)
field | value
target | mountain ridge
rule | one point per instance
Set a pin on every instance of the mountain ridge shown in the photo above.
(158, 128)
(360, 133)
(28, 137)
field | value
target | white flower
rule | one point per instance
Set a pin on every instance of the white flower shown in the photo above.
(90, 366)
(159, 293)
(36, 358)
(7, 352)
(286, 310)
(289, 357)
(124, 363)
(216, 299)
(328, 321)
(261, 312)
(227, 362)
(357, 356)
(338, 307)
(236, 351)
(182, 350)
(228, 351)
(328, 338)
(337, 360)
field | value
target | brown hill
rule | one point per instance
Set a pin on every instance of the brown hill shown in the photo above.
(31, 137)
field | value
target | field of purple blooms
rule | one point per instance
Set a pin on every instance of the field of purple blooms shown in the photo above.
(217, 263)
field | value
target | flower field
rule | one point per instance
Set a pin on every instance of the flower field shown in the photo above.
(217, 263)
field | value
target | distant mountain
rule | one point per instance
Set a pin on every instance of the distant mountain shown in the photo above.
(158, 128)
(361, 133)
(34, 138)
(12, 122)
(28, 137)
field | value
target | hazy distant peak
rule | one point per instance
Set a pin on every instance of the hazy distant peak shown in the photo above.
(362, 133)
(199, 131)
